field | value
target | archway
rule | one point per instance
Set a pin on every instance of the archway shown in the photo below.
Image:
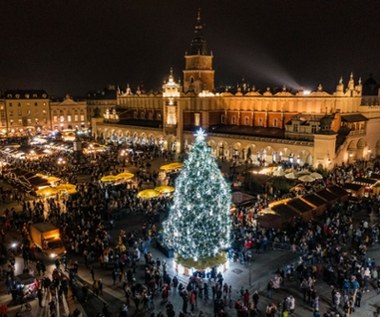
(360, 148)
(377, 148)
(213, 147)
(250, 151)
(351, 151)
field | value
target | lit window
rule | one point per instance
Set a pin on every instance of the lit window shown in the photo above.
(82, 117)
(197, 119)
(69, 118)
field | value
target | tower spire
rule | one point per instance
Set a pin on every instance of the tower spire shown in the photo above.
(198, 45)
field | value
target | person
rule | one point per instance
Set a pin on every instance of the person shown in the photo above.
(124, 311)
(40, 297)
(175, 282)
(92, 272)
(105, 310)
(255, 298)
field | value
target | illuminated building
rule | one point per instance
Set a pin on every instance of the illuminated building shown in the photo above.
(69, 114)
(314, 127)
(24, 112)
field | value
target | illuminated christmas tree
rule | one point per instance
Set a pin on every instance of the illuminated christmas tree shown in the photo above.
(198, 226)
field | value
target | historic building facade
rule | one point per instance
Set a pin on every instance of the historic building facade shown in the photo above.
(318, 128)
(69, 114)
(24, 112)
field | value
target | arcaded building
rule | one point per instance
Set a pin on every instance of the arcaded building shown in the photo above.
(317, 127)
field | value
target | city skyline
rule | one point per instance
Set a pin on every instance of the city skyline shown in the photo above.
(76, 47)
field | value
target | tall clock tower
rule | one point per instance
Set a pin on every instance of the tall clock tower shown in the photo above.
(173, 121)
(198, 74)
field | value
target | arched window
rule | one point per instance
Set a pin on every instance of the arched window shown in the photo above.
(246, 120)
(275, 122)
(260, 123)
(233, 120)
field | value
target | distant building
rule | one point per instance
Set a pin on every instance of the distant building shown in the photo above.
(69, 114)
(24, 112)
(371, 92)
(99, 102)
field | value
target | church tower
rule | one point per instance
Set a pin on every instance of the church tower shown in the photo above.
(198, 74)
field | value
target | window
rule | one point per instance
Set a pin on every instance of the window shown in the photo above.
(10, 104)
(29, 121)
(197, 119)
(19, 104)
(44, 112)
(295, 128)
(260, 122)
(28, 112)
(11, 122)
(233, 120)
(11, 113)
(159, 116)
(69, 117)
(55, 118)
(313, 129)
(61, 118)
(275, 122)
(36, 104)
(246, 120)
(82, 117)
(75, 117)
(19, 112)
(222, 118)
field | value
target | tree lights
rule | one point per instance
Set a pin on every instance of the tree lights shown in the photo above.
(199, 224)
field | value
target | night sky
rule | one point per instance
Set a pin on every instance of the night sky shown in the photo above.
(74, 46)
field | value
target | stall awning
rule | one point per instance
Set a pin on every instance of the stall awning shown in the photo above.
(365, 181)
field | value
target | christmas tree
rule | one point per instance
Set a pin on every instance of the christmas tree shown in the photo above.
(198, 226)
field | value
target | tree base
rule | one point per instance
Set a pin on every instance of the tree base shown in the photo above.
(188, 266)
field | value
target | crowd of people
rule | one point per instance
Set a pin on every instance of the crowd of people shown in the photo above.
(331, 250)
